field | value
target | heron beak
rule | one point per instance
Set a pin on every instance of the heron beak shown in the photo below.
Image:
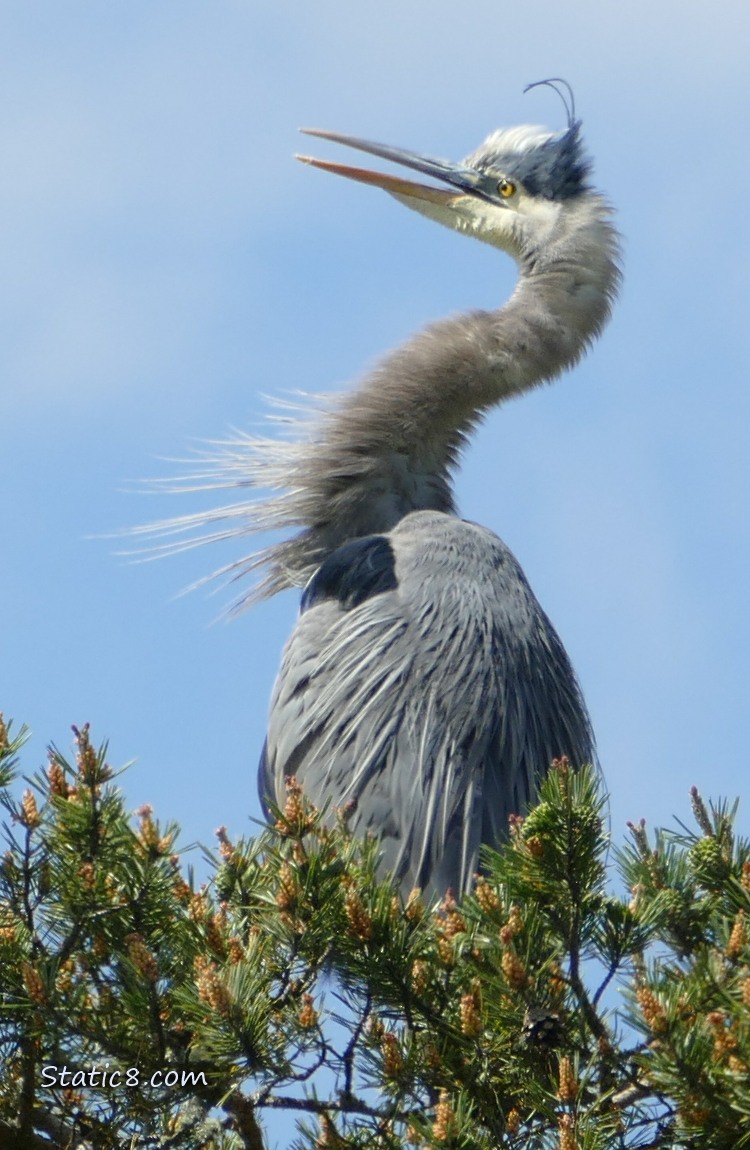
(464, 180)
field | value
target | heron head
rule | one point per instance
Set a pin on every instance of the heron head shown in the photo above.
(511, 192)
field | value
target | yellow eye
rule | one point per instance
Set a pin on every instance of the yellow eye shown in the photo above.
(506, 188)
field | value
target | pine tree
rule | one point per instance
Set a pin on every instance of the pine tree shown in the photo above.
(545, 1010)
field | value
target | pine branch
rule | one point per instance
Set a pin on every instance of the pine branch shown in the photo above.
(298, 981)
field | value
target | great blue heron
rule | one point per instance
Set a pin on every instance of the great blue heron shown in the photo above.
(423, 684)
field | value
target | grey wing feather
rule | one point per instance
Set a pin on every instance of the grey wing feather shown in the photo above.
(416, 703)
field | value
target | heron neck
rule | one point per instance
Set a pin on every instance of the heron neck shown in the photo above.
(392, 443)
(389, 447)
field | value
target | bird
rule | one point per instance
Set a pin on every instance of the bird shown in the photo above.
(423, 689)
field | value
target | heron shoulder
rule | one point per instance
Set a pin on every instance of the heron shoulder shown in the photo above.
(353, 573)
(432, 547)
(430, 564)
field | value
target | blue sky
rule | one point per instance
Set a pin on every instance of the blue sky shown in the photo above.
(166, 264)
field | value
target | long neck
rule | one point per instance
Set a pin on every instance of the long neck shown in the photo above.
(410, 417)
(389, 447)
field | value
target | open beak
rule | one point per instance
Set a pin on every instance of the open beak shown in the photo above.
(464, 180)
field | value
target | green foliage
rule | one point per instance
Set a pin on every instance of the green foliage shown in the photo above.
(691, 995)
(543, 1011)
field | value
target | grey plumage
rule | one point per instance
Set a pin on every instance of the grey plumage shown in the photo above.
(420, 703)
(423, 683)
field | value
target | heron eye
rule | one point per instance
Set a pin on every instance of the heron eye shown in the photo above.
(506, 188)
